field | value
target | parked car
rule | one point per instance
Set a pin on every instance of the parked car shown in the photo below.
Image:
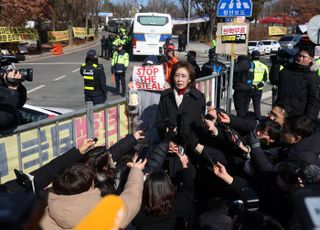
(289, 41)
(256, 45)
(270, 46)
(30, 113)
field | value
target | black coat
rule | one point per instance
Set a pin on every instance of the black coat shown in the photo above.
(298, 89)
(187, 116)
(207, 68)
(308, 149)
(243, 77)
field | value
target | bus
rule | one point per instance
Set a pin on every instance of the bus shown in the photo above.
(150, 31)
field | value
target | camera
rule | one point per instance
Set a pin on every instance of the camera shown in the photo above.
(7, 60)
(284, 56)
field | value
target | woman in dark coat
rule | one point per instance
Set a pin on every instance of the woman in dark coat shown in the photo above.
(181, 106)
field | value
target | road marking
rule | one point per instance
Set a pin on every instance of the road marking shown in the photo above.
(38, 87)
(58, 78)
(75, 70)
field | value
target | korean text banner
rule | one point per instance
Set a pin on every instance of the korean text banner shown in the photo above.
(31, 149)
(58, 36)
(277, 30)
(17, 34)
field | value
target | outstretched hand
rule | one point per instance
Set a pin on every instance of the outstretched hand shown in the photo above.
(87, 145)
(221, 172)
(140, 164)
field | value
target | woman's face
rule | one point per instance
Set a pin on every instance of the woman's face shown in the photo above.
(181, 78)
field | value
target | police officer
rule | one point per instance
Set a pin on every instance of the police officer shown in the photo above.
(119, 64)
(191, 58)
(103, 46)
(242, 85)
(108, 46)
(95, 88)
(260, 77)
(213, 65)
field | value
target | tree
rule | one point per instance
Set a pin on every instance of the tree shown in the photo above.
(17, 12)
(298, 11)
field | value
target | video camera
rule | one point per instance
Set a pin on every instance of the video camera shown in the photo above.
(6, 61)
(284, 56)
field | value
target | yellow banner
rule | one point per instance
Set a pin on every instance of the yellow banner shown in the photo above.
(277, 30)
(57, 36)
(17, 34)
(79, 32)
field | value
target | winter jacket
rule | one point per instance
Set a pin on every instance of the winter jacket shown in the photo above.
(243, 75)
(298, 89)
(187, 116)
(66, 211)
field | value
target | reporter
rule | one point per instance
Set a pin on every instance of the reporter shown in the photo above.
(13, 95)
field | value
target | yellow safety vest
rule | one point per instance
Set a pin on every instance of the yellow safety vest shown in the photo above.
(318, 61)
(120, 62)
(259, 71)
(88, 73)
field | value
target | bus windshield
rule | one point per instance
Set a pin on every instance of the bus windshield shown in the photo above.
(152, 20)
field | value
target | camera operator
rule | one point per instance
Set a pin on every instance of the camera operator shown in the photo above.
(13, 95)
(298, 86)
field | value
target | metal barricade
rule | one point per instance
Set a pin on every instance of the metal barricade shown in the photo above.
(30, 146)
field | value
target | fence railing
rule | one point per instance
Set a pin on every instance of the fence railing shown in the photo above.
(32, 145)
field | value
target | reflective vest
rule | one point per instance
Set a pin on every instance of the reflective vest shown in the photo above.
(119, 41)
(213, 43)
(318, 72)
(261, 73)
(91, 86)
(120, 61)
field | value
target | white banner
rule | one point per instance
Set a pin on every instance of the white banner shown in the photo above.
(148, 77)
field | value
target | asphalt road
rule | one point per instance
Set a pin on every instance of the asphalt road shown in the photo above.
(57, 81)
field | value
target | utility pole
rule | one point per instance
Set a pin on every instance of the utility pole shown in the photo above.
(188, 28)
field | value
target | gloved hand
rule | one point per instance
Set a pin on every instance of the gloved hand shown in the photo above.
(254, 88)
(253, 140)
(260, 84)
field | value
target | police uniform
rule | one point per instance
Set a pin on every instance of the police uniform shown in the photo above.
(260, 77)
(119, 64)
(95, 88)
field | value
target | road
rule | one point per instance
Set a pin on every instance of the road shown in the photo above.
(58, 83)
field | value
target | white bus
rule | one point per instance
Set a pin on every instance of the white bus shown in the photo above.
(150, 31)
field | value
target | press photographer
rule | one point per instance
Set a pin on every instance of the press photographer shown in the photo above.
(13, 94)
(297, 85)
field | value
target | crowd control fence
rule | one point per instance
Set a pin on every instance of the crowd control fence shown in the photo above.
(30, 146)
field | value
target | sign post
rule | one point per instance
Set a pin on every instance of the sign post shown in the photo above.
(234, 8)
(232, 38)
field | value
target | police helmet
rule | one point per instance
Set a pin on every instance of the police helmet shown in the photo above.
(255, 55)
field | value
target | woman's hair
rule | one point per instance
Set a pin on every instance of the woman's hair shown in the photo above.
(99, 161)
(298, 126)
(188, 67)
(158, 194)
(76, 179)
